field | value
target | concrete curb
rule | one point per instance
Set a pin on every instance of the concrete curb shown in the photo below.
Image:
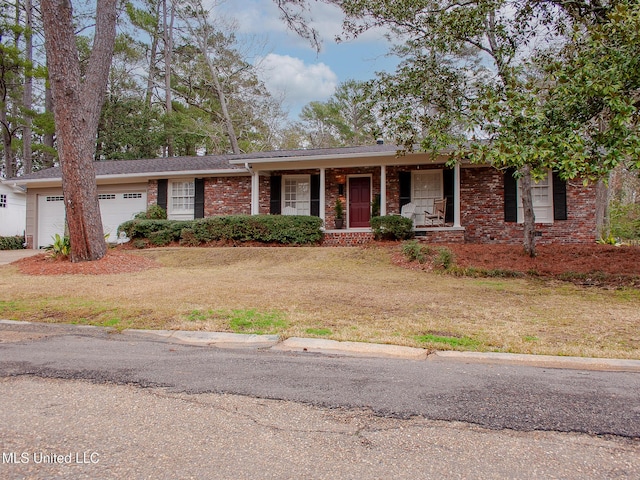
(313, 345)
(549, 361)
(361, 349)
(218, 339)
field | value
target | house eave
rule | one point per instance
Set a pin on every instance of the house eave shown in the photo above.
(316, 158)
(367, 159)
(136, 177)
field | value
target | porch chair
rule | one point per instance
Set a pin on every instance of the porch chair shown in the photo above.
(437, 216)
(409, 211)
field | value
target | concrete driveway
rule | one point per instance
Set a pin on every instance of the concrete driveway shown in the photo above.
(8, 256)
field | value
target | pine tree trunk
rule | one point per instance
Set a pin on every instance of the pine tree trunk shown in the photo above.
(27, 96)
(77, 109)
(168, 48)
(233, 139)
(152, 63)
(48, 137)
(529, 216)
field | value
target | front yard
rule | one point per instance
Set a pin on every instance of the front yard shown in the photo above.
(356, 294)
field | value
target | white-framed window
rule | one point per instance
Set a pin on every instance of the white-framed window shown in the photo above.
(3, 200)
(296, 195)
(182, 196)
(181, 200)
(542, 195)
(426, 187)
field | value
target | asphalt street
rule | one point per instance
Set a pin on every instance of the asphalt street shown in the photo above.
(149, 407)
(495, 396)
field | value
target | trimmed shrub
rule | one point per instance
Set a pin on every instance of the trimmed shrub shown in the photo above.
(12, 243)
(141, 228)
(285, 229)
(392, 227)
(187, 238)
(154, 212)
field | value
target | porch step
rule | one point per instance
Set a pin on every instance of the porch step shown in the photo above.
(346, 238)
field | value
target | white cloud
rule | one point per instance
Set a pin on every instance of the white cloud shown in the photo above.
(262, 17)
(298, 83)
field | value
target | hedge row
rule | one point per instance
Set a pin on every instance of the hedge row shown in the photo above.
(285, 229)
(392, 227)
(12, 243)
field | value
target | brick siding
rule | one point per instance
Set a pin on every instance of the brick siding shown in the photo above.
(481, 206)
(482, 212)
(227, 196)
(346, 239)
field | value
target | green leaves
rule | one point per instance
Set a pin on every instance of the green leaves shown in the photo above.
(592, 110)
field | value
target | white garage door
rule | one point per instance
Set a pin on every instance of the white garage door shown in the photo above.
(115, 208)
(50, 218)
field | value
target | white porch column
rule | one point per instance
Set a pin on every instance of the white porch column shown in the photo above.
(255, 192)
(323, 181)
(383, 190)
(456, 196)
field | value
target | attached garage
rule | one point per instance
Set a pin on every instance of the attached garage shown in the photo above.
(115, 208)
(50, 218)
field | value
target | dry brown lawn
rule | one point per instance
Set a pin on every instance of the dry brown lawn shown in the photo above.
(355, 294)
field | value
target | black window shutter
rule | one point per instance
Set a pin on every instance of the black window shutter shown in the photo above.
(448, 185)
(405, 188)
(199, 198)
(163, 185)
(510, 196)
(559, 198)
(276, 195)
(315, 195)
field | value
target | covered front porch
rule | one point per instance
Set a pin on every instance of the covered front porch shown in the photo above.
(366, 187)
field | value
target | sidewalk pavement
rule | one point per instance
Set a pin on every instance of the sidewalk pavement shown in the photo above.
(361, 349)
(9, 256)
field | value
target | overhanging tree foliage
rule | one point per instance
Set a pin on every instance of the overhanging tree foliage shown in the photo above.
(462, 80)
(592, 106)
(480, 78)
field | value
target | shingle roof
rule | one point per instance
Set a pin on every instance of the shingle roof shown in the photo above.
(206, 163)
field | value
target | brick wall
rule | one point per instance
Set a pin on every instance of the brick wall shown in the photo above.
(152, 193)
(482, 212)
(227, 196)
(222, 195)
(438, 235)
(481, 198)
(346, 239)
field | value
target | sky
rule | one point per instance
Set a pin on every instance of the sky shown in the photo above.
(290, 67)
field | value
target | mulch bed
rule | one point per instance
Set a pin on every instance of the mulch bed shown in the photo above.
(589, 264)
(114, 261)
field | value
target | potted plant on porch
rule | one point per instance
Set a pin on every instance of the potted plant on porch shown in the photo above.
(339, 213)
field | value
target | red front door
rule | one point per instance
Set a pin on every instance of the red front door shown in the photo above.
(359, 202)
